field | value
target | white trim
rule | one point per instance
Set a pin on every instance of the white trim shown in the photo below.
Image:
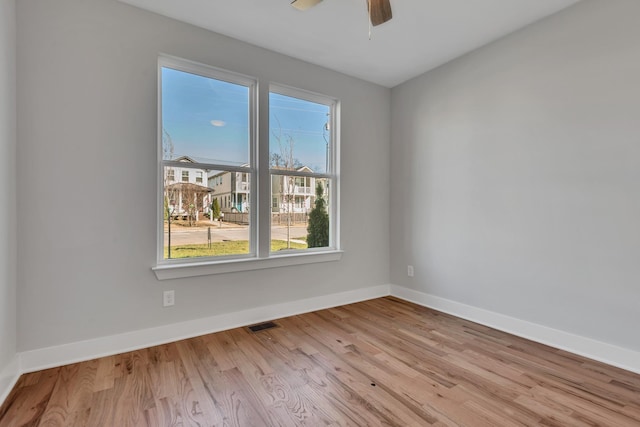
(192, 269)
(303, 94)
(332, 172)
(260, 213)
(334, 165)
(603, 352)
(44, 358)
(9, 377)
(203, 70)
(34, 360)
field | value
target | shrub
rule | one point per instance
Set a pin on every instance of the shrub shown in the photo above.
(318, 228)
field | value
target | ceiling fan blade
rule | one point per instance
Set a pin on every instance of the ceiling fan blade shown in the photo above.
(380, 11)
(304, 4)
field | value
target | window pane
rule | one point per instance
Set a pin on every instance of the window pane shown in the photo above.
(204, 119)
(205, 220)
(299, 218)
(299, 134)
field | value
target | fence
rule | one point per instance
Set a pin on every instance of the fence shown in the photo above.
(276, 218)
(296, 218)
(236, 217)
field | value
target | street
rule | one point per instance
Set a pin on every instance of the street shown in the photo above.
(181, 235)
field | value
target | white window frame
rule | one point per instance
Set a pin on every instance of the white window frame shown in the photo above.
(333, 161)
(259, 256)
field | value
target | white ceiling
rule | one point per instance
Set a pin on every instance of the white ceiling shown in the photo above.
(422, 35)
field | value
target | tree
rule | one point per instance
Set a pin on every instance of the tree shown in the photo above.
(215, 209)
(276, 160)
(285, 160)
(192, 199)
(167, 154)
(318, 228)
(167, 145)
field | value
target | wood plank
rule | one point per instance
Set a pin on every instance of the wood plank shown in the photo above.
(70, 400)
(380, 362)
(26, 406)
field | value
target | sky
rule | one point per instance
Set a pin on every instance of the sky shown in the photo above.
(208, 120)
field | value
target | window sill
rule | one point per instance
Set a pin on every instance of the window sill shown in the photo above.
(178, 271)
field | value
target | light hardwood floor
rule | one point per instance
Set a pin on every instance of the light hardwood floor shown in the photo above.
(380, 362)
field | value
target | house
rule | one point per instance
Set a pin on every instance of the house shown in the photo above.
(505, 177)
(186, 191)
(288, 193)
(231, 190)
(293, 193)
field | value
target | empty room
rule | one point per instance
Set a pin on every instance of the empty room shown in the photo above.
(320, 212)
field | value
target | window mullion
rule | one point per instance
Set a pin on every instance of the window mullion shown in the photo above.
(263, 175)
(334, 169)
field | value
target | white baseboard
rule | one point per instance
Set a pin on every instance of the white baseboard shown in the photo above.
(34, 360)
(8, 378)
(43, 358)
(587, 347)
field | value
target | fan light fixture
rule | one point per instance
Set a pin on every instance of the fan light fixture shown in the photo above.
(379, 10)
(304, 4)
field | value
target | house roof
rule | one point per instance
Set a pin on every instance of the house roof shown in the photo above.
(185, 159)
(189, 186)
(300, 169)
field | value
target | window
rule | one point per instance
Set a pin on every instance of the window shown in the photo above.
(208, 126)
(302, 168)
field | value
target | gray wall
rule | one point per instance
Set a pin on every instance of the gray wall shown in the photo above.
(516, 175)
(87, 169)
(7, 186)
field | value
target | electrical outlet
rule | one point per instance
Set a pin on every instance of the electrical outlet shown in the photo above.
(169, 298)
(410, 270)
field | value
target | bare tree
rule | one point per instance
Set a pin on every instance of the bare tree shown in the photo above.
(192, 199)
(167, 145)
(167, 154)
(286, 160)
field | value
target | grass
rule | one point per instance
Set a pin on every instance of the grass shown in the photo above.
(236, 247)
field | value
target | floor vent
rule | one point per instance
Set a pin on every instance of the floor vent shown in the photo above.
(262, 326)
